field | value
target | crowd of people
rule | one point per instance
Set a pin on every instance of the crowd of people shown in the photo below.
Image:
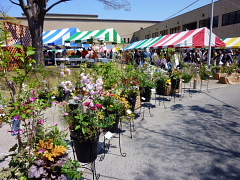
(171, 59)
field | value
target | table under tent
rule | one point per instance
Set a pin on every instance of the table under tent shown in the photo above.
(100, 40)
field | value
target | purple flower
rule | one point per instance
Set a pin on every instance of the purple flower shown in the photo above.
(41, 121)
(33, 99)
(55, 124)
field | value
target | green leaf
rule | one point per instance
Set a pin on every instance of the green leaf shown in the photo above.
(30, 52)
(18, 54)
(18, 46)
(13, 148)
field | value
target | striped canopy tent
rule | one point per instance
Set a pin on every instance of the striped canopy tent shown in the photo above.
(133, 45)
(232, 43)
(57, 37)
(197, 38)
(104, 35)
(148, 43)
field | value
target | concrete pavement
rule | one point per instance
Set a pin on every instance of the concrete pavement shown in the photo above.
(192, 138)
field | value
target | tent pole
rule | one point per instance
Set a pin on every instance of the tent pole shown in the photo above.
(210, 36)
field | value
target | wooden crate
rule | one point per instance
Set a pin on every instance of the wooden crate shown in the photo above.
(138, 102)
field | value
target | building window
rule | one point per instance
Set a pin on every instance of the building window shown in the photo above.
(175, 30)
(165, 32)
(128, 40)
(124, 39)
(206, 22)
(231, 18)
(136, 38)
(147, 36)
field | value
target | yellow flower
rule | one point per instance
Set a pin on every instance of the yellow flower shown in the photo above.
(58, 151)
(47, 144)
(49, 156)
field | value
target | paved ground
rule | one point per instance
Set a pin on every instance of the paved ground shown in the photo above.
(193, 138)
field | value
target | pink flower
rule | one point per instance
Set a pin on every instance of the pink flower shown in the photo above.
(63, 103)
(65, 114)
(99, 106)
(41, 121)
(16, 117)
(54, 103)
(42, 151)
(87, 103)
(55, 124)
(33, 99)
(92, 108)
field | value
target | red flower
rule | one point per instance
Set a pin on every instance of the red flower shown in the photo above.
(99, 106)
(135, 82)
(92, 108)
(87, 103)
(111, 95)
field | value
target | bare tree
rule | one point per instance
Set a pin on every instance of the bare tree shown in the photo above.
(35, 11)
(6, 17)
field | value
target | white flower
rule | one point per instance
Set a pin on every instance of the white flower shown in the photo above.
(129, 111)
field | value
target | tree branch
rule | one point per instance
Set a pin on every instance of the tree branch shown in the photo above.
(113, 4)
(56, 3)
(15, 3)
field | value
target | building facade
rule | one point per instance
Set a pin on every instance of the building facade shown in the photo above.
(226, 21)
(125, 28)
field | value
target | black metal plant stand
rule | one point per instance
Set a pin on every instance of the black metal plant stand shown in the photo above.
(207, 85)
(163, 99)
(106, 146)
(149, 106)
(92, 168)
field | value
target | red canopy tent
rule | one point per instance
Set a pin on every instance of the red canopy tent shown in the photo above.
(197, 38)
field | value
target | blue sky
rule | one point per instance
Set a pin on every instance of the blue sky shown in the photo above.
(157, 10)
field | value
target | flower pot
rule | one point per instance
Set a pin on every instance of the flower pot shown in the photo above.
(204, 77)
(160, 90)
(175, 83)
(146, 94)
(64, 97)
(132, 101)
(186, 80)
(85, 149)
(114, 127)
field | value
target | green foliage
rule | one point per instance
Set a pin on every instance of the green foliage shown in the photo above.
(71, 169)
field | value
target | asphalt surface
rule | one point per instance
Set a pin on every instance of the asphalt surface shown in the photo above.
(194, 137)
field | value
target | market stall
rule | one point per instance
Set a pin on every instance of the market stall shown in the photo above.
(57, 37)
(232, 43)
(197, 38)
(88, 37)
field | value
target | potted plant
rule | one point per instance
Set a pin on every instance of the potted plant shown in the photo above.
(162, 82)
(204, 72)
(85, 117)
(175, 76)
(113, 108)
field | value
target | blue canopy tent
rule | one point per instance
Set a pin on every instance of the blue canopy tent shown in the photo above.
(56, 38)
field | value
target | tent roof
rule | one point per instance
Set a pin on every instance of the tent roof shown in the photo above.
(108, 35)
(189, 39)
(232, 43)
(57, 37)
(194, 38)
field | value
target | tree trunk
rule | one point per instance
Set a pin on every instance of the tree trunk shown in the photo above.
(36, 30)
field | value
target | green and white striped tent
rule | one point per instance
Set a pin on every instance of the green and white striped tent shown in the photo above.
(104, 35)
